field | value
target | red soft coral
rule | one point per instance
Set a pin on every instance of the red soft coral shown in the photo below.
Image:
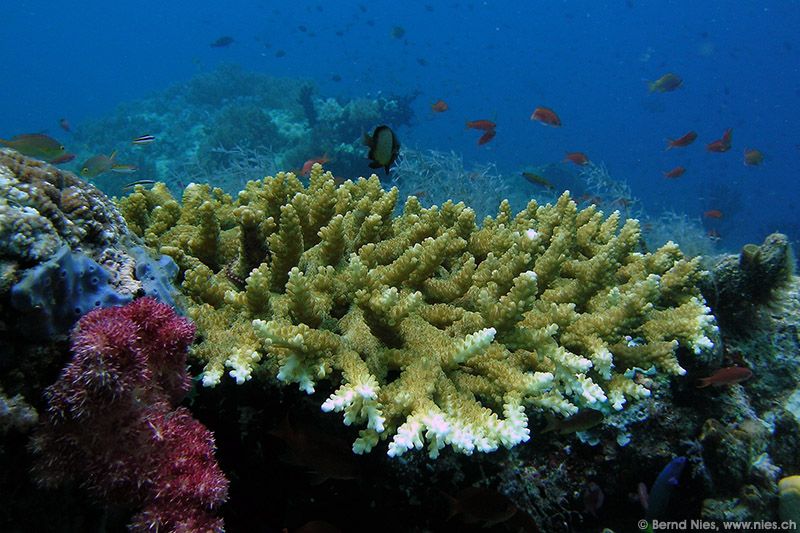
(113, 423)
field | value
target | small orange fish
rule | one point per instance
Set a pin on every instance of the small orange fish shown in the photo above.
(713, 213)
(310, 163)
(579, 158)
(723, 144)
(676, 172)
(439, 107)
(482, 124)
(487, 136)
(753, 157)
(684, 140)
(726, 376)
(546, 116)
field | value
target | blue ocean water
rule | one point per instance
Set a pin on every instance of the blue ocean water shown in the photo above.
(589, 61)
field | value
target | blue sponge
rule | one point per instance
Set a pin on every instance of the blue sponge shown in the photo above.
(58, 292)
(155, 275)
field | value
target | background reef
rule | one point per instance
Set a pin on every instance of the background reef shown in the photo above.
(229, 124)
(213, 343)
(328, 271)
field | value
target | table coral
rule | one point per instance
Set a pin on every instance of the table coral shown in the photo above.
(436, 330)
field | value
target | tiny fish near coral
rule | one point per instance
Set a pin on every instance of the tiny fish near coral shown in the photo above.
(726, 376)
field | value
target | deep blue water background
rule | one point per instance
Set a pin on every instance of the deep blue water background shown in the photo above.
(740, 62)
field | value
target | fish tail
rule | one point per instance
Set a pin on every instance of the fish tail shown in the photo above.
(703, 382)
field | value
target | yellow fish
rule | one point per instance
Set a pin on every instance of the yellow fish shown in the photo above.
(36, 145)
(100, 164)
(667, 82)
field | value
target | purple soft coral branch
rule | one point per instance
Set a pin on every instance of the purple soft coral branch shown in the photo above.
(113, 423)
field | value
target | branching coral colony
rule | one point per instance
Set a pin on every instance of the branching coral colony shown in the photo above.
(436, 330)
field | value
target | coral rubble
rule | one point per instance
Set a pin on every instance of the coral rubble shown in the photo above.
(435, 329)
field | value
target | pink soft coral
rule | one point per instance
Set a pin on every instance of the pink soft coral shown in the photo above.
(113, 423)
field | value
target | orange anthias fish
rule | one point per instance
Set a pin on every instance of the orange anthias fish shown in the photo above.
(666, 83)
(482, 124)
(579, 158)
(726, 376)
(684, 140)
(36, 145)
(723, 144)
(440, 106)
(676, 172)
(546, 116)
(753, 157)
(487, 136)
(310, 163)
(713, 213)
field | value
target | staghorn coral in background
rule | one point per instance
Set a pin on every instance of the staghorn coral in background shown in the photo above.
(434, 329)
(112, 423)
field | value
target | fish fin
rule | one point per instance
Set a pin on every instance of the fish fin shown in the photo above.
(113, 155)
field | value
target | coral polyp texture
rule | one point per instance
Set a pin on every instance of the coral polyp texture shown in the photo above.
(433, 329)
(112, 423)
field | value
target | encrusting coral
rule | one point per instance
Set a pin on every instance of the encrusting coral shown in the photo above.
(436, 330)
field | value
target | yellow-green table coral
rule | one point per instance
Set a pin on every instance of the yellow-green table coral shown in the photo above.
(436, 330)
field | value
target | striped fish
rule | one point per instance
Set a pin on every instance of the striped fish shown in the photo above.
(144, 139)
(133, 184)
